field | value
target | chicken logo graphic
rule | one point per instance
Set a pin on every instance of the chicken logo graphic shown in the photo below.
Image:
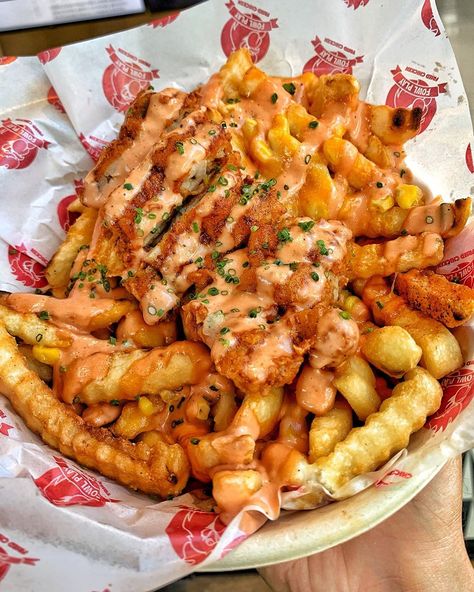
(49, 54)
(93, 145)
(331, 57)
(355, 4)
(412, 90)
(54, 100)
(428, 18)
(194, 534)
(247, 29)
(64, 485)
(25, 269)
(125, 77)
(458, 390)
(20, 141)
(163, 22)
(4, 427)
(7, 560)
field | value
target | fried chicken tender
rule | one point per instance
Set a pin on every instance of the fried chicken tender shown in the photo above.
(161, 470)
(449, 303)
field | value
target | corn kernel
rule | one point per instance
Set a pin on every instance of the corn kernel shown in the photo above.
(46, 355)
(408, 196)
(146, 406)
(383, 203)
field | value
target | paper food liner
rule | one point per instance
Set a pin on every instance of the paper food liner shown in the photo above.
(57, 111)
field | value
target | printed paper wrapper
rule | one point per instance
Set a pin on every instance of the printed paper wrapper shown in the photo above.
(61, 523)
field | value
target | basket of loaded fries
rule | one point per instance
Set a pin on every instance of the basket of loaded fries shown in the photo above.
(256, 300)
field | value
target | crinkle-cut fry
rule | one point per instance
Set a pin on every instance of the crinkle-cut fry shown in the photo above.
(333, 88)
(449, 303)
(462, 211)
(394, 125)
(161, 470)
(113, 314)
(344, 158)
(233, 71)
(319, 193)
(124, 375)
(384, 433)
(233, 489)
(59, 268)
(76, 206)
(44, 371)
(399, 255)
(329, 429)
(392, 350)
(441, 351)
(356, 382)
(33, 330)
(256, 418)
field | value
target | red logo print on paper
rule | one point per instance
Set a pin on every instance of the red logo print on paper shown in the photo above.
(428, 18)
(331, 56)
(247, 29)
(20, 141)
(7, 560)
(66, 486)
(392, 477)
(458, 390)
(163, 22)
(355, 4)
(463, 273)
(4, 60)
(54, 100)
(194, 534)
(93, 145)
(49, 54)
(469, 159)
(65, 217)
(4, 427)
(26, 270)
(411, 91)
(126, 76)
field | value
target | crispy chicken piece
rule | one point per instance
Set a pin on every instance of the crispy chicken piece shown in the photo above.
(432, 294)
(260, 311)
(148, 116)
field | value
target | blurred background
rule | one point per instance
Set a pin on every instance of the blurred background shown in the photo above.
(27, 28)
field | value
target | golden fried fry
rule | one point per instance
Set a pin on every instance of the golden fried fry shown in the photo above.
(329, 429)
(449, 303)
(399, 255)
(162, 470)
(33, 330)
(441, 351)
(79, 235)
(243, 483)
(385, 432)
(124, 375)
(392, 350)
(356, 382)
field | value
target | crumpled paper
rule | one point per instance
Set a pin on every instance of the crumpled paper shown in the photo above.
(57, 111)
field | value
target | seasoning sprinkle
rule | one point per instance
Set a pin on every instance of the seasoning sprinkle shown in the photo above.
(315, 276)
(429, 219)
(128, 186)
(322, 247)
(289, 87)
(344, 315)
(44, 315)
(313, 124)
(284, 235)
(224, 330)
(274, 98)
(179, 147)
(379, 304)
(307, 158)
(195, 227)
